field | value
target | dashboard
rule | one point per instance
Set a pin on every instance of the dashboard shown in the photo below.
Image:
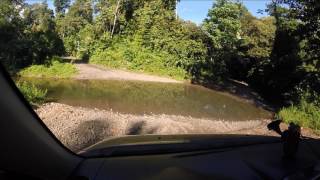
(262, 161)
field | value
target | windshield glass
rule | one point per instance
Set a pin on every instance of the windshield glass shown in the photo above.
(96, 69)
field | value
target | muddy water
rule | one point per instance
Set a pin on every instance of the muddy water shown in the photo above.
(150, 98)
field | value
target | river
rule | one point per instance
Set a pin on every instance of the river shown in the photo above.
(137, 97)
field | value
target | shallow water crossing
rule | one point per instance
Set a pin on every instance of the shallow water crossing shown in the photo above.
(137, 97)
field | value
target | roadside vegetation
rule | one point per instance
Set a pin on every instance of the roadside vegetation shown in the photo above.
(306, 112)
(33, 94)
(278, 55)
(54, 70)
(130, 56)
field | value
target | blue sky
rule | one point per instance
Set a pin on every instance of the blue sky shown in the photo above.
(196, 10)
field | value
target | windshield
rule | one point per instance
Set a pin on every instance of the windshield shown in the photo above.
(97, 69)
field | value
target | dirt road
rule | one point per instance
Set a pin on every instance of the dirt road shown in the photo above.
(88, 71)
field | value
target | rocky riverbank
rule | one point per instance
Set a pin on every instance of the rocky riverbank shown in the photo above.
(79, 127)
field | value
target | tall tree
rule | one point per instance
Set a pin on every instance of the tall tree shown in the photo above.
(116, 13)
(61, 6)
(224, 28)
(78, 16)
(308, 12)
(278, 75)
(11, 33)
(255, 45)
(27, 33)
(41, 31)
(223, 24)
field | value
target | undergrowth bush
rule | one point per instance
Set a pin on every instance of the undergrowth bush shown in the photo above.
(305, 114)
(54, 69)
(32, 93)
(136, 58)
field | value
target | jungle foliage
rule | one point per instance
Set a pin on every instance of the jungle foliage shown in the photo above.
(32, 93)
(56, 68)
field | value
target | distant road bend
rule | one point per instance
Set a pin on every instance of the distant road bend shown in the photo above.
(89, 71)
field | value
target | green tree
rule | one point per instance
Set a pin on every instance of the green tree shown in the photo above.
(11, 33)
(41, 33)
(113, 15)
(308, 13)
(61, 6)
(255, 45)
(152, 28)
(27, 34)
(223, 24)
(78, 16)
(224, 28)
(278, 75)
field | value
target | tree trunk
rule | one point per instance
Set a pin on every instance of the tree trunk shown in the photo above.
(115, 17)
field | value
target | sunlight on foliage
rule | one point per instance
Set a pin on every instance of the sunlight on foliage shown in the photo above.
(132, 57)
(304, 114)
(55, 70)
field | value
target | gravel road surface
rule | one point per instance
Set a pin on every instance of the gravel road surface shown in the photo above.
(89, 71)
